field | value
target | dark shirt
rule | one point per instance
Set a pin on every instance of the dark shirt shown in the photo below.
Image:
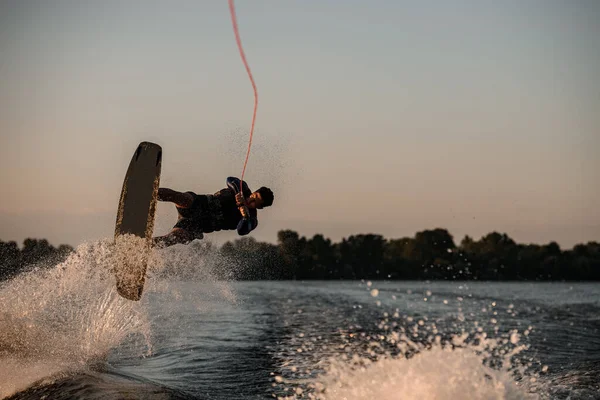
(219, 211)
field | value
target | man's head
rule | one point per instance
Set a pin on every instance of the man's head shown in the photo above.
(263, 197)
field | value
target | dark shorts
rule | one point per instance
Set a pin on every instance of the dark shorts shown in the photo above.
(199, 218)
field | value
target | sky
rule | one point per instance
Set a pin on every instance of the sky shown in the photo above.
(385, 117)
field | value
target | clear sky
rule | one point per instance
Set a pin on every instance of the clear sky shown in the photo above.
(384, 117)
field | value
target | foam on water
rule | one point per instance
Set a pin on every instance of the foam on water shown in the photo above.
(434, 374)
(65, 317)
(406, 357)
(419, 371)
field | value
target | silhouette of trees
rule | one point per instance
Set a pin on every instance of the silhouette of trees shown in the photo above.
(321, 259)
(430, 254)
(291, 250)
(10, 259)
(253, 260)
(35, 252)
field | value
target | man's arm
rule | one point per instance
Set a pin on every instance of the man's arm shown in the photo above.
(247, 225)
(181, 200)
(234, 183)
(249, 222)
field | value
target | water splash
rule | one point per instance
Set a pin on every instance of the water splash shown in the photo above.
(434, 374)
(195, 262)
(59, 320)
(364, 367)
(65, 317)
(391, 356)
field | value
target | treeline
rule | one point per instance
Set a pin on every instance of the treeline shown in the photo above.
(429, 255)
(34, 252)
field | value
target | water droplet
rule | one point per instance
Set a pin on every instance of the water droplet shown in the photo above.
(514, 338)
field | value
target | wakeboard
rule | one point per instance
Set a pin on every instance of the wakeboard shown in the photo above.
(135, 220)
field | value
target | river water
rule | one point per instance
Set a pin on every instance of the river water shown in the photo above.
(65, 333)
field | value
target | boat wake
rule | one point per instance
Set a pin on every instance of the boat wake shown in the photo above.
(386, 355)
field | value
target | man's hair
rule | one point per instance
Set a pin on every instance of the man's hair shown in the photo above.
(267, 196)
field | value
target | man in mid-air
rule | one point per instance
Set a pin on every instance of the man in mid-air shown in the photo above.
(228, 209)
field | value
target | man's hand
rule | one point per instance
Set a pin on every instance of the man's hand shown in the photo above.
(240, 200)
(244, 211)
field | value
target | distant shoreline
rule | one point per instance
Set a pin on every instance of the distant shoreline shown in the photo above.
(429, 255)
